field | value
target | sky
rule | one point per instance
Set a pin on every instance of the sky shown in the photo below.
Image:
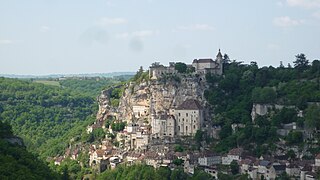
(39, 37)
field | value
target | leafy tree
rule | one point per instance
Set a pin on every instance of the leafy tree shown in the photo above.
(313, 116)
(301, 62)
(178, 148)
(181, 67)
(177, 162)
(234, 167)
(199, 136)
(294, 138)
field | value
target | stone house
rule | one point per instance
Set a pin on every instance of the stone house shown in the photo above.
(293, 170)
(233, 155)
(212, 171)
(204, 66)
(139, 111)
(209, 159)
(163, 125)
(189, 118)
(275, 170)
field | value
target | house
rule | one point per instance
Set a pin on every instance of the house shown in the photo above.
(233, 155)
(163, 125)
(188, 168)
(58, 160)
(133, 157)
(209, 159)
(204, 66)
(140, 111)
(189, 117)
(99, 159)
(263, 166)
(293, 170)
(75, 154)
(212, 171)
(275, 170)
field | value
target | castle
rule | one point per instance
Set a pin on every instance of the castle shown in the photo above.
(201, 66)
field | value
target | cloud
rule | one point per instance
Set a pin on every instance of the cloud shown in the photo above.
(6, 41)
(316, 14)
(286, 21)
(304, 3)
(196, 27)
(106, 21)
(44, 29)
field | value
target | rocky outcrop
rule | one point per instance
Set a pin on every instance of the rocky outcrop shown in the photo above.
(142, 100)
(263, 109)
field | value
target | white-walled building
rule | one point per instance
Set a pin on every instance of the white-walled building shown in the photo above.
(189, 118)
(203, 66)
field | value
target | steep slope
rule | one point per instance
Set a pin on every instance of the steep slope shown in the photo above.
(16, 162)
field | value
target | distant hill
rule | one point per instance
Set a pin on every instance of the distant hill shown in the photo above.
(112, 74)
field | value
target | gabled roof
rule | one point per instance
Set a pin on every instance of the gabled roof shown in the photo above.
(279, 167)
(190, 104)
(236, 152)
(203, 61)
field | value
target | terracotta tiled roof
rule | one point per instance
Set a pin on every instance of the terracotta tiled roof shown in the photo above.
(190, 104)
(100, 152)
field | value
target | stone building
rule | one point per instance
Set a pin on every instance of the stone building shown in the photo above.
(157, 70)
(189, 118)
(204, 66)
(163, 125)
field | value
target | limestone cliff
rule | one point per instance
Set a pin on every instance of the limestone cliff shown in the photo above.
(153, 97)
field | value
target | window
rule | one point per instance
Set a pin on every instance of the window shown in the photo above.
(194, 126)
(187, 114)
(179, 114)
(182, 119)
(186, 129)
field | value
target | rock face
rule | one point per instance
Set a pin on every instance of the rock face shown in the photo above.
(140, 101)
(263, 109)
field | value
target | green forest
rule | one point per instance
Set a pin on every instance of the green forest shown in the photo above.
(233, 94)
(46, 117)
(17, 163)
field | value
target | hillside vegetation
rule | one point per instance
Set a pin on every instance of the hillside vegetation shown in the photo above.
(17, 163)
(46, 117)
(233, 95)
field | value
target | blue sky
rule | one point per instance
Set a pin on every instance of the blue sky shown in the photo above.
(80, 36)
